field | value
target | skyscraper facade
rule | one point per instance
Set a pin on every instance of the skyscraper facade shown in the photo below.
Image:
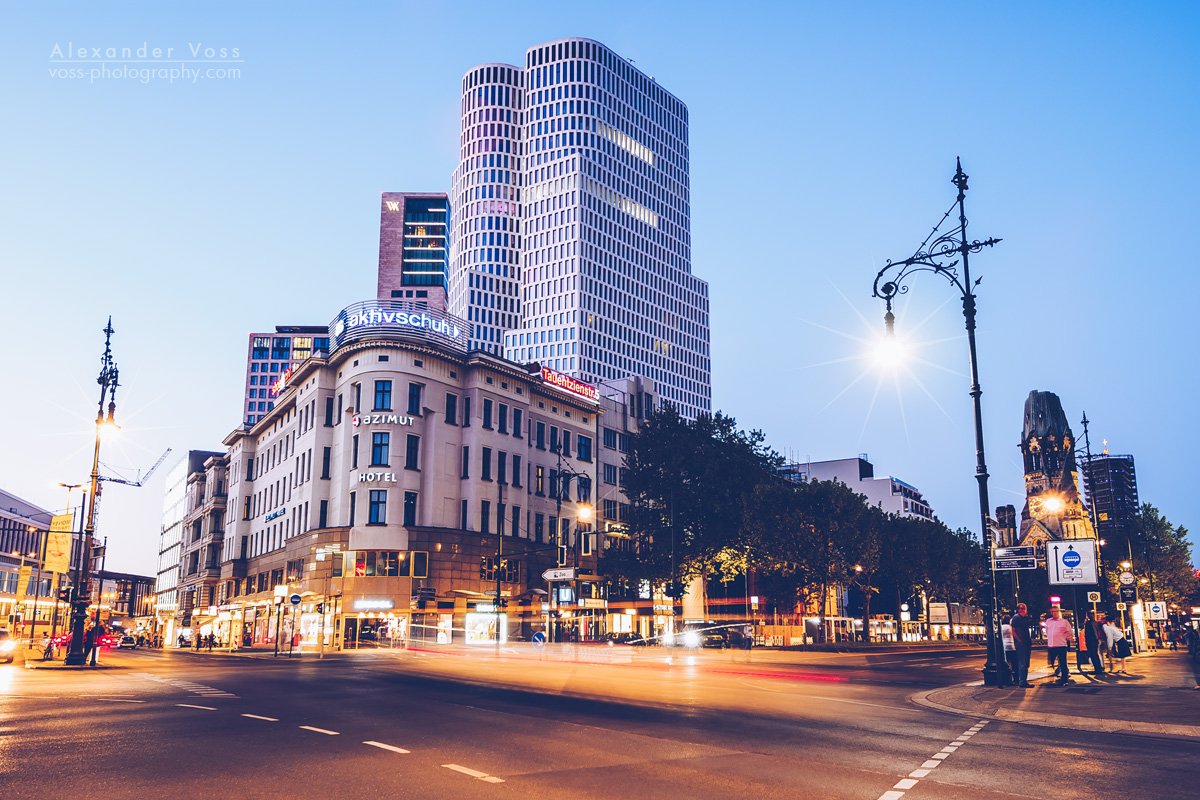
(571, 231)
(413, 248)
(1111, 486)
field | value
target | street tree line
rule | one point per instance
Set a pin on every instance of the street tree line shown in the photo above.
(708, 500)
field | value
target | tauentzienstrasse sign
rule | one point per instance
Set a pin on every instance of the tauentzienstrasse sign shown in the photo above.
(570, 384)
(375, 317)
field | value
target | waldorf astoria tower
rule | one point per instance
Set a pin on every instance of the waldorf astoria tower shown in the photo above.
(571, 230)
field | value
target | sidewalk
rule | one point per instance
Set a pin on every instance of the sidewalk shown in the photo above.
(1156, 698)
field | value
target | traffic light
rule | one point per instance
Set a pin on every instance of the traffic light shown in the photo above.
(65, 594)
(675, 589)
(501, 604)
(562, 555)
(320, 608)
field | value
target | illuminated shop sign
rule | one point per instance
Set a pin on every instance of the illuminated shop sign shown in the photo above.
(380, 419)
(366, 477)
(570, 384)
(397, 317)
(365, 604)
(277, 513)
(282, 383)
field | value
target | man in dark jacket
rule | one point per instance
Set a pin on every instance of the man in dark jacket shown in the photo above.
(1024, 627)
(1092, 636)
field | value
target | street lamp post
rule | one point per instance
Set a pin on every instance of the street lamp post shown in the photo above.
(565, 475)
(941, 253)
(108, 381)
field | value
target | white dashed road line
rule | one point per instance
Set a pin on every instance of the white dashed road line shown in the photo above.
(256, 716)
(188, 705)
(483, 776)
(319, 730)
(915, 776)
(115, 700)
(383, 746)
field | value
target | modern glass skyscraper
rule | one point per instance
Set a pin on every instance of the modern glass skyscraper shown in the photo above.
(571, 226)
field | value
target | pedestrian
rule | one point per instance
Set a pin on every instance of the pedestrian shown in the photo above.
(212, 640)
(89, 643)
(1059, 636)
(1023, 627)
(1092, 636)
(1010, 648)
(1118, 647)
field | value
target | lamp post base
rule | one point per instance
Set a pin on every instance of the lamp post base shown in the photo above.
(992, 676)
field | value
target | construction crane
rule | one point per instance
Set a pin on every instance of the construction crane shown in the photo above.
(141, 480)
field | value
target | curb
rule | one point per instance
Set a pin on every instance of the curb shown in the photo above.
(1152, 730)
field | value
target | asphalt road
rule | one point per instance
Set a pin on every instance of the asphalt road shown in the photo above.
(533, 724)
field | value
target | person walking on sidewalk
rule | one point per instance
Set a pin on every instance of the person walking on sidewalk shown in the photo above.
(1010, 648)
(1092, 636)
(1118, 647)
(1059, 636)
(1023, 628)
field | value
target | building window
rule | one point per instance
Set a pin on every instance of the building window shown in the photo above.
(383, 396)
(540, 439)
(378, 512)
(380, 444)
(502, 414)
(410, 509)
(466, 462)
(451, 409)
(610, 473)
(516, 471)
(338, 419)
(325, 453)
(516, 520)
(583, 489)
(539, 523)
(414, 399)
(553, 438)
(463, 521)
(610, 438)
(584, 445)
(467, 411)
(485, 516)
(566, 443)
(539, 483)
(623, 442)
(328, 412)
(323, 515)
(501, 467)
(487, 464)
(610, 510)
(412, 452)
(352, 507)
(358, 398)
(517, 422)
(487, 413)
(354, 452)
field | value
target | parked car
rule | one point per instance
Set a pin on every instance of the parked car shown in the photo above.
(128, 641)
(8, 647)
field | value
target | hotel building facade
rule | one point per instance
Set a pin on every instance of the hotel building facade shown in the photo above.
(401, 478)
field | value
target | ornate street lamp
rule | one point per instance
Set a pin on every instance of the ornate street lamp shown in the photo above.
(941, 253)
(108, 391)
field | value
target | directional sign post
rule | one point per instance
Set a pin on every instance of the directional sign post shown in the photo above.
(1156, 611)
(560, 574)
(1071, 562)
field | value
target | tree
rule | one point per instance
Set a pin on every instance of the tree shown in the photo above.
(688, 482)
(1166, 556)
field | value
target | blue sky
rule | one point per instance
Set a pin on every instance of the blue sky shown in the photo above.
(823, 139)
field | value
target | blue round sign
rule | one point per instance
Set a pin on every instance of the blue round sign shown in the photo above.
(539, 639)
(1071, 558)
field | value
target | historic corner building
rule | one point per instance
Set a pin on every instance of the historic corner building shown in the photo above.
(399, 486)
(571, 227)
(1053, 507)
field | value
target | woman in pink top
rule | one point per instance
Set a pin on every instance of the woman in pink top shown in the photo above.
(1059, 635)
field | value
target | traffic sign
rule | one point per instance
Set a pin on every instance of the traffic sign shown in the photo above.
(1126, 578)
(1014, 563)
(539, 639)
(1093, 597)
(1121, 606)
(1014, 552)
(560, 574)
(295, 599)
(1071, 562)
(1129, 594)
(1156, 611)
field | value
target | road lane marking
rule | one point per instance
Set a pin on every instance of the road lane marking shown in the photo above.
(256, 716)
(115, 700)
(188, 705)
(319, 730)
(390, 747)
(859, 703)
(483, 776)
(914, 777)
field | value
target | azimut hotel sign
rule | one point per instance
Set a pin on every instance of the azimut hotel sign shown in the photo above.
(396, 319)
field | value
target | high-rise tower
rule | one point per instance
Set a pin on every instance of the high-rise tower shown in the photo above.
(572, 222)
